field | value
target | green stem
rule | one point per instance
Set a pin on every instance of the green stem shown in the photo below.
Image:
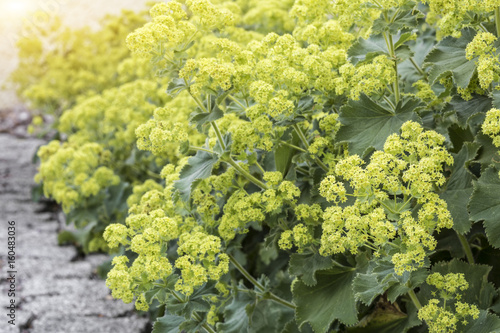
(219, 135)
(466, 247)
(293, 146)
(246, 174)
(305, 143)
(258, 285)
(202, 149)
(418, 68)
(236, 101)
(260, 167)
(213, 123)
(414, 299)
(396, 82)
(304, 171)
(196, 316)
(390, 103)
(301, 135)
(497, 20)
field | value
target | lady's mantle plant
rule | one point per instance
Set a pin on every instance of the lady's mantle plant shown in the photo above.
(343, 175)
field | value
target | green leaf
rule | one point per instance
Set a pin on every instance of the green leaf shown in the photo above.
(235, 314)
(116, 198)
(305, 266)
(197, 301)
(496, 97)
(283, 154)
(168, 324)
(404, 17)
(248, 314)
(291, 327)
(414, 279)
(184, 147)
(403, 38)
(367, 49)
(330, 299)
(265, 316)
(421, 48)
(366, 124)
(480, 291)
(465, 110)
(486, 323)
(305, 104)
(488, 154)
(176, 86)
(200, 118)
(387, 318)
(485, 204)
(368, 286)
(198, 167)
(448, 56)
(459, 187)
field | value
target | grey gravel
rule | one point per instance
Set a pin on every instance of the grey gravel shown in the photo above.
(55, 291)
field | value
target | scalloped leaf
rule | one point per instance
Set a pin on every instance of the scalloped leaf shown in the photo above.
(486, 323)
(366, 124)
(459, 187)
(368, 286)
(200, 118)
(198, 167)
(480, 291)
(235, 314)
(330, 299)
(465, 110)
(488, 154)
(247, 314)
(168, 324)
(448, 56)
(305, 266)
(367, 49)
(176, 86)
(291, 327)
(485, 204)
(405, 17)
(197, 301)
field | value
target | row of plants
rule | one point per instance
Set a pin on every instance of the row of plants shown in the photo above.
(283, 166)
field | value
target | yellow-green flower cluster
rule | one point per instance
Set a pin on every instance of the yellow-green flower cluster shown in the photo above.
(491, 126)
(209, 15)
(207, 193)
(424, 91)
(301, 236)
(239, 210)
(365, 78)
(168, 30)
(72, 173)
(200, 259)
(406, 171)
(488, 65)
(310, 214)
(332, 21)
(268, 15)
(153, 222)
(79, 62)
(451, 16)
(112, 117)
(157, 132)
(441, 318)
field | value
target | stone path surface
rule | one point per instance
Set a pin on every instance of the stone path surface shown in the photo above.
(55, 292)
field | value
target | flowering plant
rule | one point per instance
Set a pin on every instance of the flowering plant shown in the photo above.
(338, 170)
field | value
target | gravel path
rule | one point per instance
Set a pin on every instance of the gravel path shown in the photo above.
(54, 291)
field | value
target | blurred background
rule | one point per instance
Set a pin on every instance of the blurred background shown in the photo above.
(16, 14)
